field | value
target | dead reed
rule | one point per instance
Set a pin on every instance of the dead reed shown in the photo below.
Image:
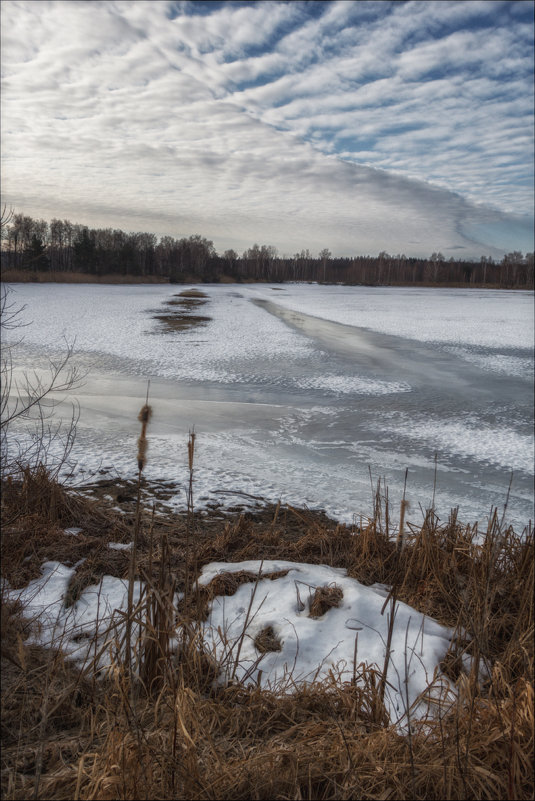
(12, 276)
(323, 599)
(183, 734)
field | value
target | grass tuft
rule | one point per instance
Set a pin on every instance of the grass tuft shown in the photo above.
(323, 599)
(266, 640)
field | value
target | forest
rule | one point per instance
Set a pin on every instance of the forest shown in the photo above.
(60, 246)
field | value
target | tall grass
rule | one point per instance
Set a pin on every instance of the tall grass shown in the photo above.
(161, 723)
(12, 276)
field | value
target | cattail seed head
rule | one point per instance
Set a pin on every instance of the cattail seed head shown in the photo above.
(143, 417)
(145, 414)
(191, 449)
(141, 452)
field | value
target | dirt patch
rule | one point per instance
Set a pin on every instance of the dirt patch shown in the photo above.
(124, 492)
(180, 316)
(266, 641)
(324, 598)
(191, 293)
(185, 303)
(181, 322)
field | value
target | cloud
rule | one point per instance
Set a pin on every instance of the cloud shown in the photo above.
(357, 126)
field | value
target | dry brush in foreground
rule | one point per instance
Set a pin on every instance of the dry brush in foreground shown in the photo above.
(167, 730)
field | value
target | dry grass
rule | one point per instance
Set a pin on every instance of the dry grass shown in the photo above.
(179, 315)
(175, 733)
(266, 640)
(192, 293)
(323, 599)
(35, 513)
(64, 277)
(227, 583)
(181, 322)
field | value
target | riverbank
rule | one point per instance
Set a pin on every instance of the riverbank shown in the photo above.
(55, 277)
(177, 734)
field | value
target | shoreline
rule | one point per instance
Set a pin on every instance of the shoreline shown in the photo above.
(23, 277)
(119, 493)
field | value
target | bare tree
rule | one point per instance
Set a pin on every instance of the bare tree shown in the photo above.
(6, 215)
(30, 435)
(324, 256)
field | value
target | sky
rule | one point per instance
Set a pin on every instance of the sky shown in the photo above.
(354, 126)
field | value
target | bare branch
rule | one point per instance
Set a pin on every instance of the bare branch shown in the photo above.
(30, 402)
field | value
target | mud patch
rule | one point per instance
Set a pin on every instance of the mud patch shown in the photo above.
(185, 303)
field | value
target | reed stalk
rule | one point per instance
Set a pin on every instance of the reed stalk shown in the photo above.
(143, 417)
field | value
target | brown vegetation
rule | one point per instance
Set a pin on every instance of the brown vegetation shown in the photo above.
(12, 276)
(175, 734)
(192, 293)
(178, 316)
(323, 599)
(178, 322)
(266, 640)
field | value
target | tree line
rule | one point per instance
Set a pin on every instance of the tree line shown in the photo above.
(61, 246)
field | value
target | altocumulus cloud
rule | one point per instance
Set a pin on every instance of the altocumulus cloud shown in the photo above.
(359, 126)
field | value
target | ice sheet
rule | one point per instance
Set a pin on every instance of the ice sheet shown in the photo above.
(479, 317)
(292, 399)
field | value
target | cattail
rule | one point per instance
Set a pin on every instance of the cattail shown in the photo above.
(191, 449)
(143, 417)
(145, 414)
(141, 452)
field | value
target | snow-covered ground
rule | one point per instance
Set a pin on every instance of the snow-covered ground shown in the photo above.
(299, 392)
(336, 644)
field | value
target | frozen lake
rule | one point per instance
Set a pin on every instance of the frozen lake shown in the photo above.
(298, 391)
